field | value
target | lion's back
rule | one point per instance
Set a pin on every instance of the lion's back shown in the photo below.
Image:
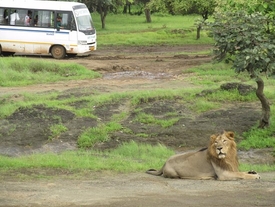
(193, 165)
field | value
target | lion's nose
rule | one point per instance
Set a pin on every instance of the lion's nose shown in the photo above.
(219, 148)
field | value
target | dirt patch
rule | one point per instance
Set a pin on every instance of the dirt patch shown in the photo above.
(27, 130)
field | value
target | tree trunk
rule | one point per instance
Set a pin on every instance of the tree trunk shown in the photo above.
(264, 121)
(125, 9)
(198, 32)
(103, 22)
(129, 8)
(148, 15)
(103, 13)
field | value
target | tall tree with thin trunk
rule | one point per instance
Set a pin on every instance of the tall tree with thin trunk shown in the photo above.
(147, 9)
(247, 41)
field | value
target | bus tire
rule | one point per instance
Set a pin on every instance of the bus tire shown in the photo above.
(58, 52)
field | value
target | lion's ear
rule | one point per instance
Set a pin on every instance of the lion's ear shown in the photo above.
(213, 138)
(230, 135)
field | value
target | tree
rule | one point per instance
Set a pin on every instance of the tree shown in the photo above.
(103, 7)
(244, 40)
(201, 7)
(147, 9)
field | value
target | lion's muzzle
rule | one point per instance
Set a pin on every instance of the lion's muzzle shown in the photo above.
(219, 152)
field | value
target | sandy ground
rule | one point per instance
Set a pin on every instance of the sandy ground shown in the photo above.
(136, 190)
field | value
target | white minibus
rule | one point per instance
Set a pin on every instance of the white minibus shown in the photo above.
(46, 27)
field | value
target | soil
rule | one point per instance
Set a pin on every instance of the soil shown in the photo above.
(129, 69)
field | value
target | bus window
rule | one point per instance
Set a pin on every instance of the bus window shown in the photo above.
(37, 15)
(28, 19)
(6, 16)
(2, 18)
(24, 17)
(13, 18)
(45, 19)
(64, 20)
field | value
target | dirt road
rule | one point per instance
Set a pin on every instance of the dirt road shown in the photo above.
(138, 190)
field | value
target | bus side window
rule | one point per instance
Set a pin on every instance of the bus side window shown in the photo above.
(2, 19)
(14, 18)
(5, 17)
(25, 17)
(45, 19)
(64, 20)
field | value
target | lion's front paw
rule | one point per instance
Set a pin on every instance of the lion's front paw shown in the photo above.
(254, 174)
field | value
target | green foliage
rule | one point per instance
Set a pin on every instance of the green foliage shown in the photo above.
(244, 39)
(183, 7)
(265, 7)
(19, 71)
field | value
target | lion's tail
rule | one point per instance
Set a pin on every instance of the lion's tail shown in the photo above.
(155, 172)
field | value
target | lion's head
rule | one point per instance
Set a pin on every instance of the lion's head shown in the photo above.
(222, 150)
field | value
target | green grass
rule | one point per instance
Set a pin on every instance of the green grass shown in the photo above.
(97, 134)
(56, 130)
(131, 157)
(202, 105)
(134, 31)
(259, 138)
(20, 71)
(256, 167)
(150, 119)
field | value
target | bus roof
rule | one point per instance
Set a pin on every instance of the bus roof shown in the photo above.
(36, 4)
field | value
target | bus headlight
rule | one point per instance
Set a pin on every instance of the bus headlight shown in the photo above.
(82, 42)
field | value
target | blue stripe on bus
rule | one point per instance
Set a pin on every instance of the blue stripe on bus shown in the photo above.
(30, 30)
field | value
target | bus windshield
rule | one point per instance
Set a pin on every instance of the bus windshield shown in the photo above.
(84, 21)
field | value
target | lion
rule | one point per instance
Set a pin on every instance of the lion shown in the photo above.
(218, 161)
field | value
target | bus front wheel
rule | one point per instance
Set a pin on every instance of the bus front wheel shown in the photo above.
(58, 52)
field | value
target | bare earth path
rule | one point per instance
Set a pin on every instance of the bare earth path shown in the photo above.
(129, 69)
(138, 190)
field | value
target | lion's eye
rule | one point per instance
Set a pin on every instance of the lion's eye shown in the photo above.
(224, 141)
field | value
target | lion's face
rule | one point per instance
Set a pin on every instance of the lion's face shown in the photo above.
(222, 144)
